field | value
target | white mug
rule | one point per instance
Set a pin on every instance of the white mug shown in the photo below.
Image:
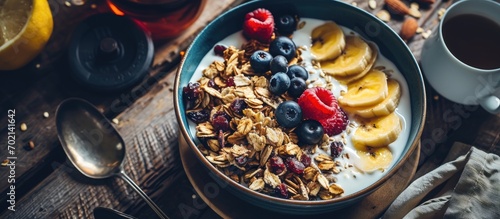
(454, 79)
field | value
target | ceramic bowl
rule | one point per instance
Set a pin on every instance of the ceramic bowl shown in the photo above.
(371, 28)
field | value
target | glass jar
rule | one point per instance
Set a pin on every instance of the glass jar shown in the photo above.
(165, 19)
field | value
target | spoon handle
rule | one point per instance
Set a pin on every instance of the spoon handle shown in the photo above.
(144, 196)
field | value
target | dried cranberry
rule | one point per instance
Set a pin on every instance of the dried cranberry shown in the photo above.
(306, 160)
(221, 113)
(336, 148)
(220, 123)
(230, 82)
(192, 91)
(199, 116)
(294, 165)
(281, 191)
(241, 160)
(219, 50)
(211, 83)
(276, 165)
(238, 105)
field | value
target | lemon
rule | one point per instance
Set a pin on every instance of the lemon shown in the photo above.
(25, 28)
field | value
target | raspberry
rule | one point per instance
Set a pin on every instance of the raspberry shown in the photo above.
(335, 124)
(318, 104)
(259, 25)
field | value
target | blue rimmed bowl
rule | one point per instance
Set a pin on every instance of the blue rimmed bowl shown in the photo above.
(368, 26)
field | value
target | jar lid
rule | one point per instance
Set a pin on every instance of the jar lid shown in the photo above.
(109, 52)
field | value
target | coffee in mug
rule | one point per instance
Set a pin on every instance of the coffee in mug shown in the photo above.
(474, 40)
(461, 58)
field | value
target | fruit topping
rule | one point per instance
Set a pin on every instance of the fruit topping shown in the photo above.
(259, 25)
(230, 82)
(310, 132)
(355, 58)
(288, 114)
(305, 159)
(283, 46)
(276, 165)
(327, 41)
(281, 191)
(260, 61)
(279, 64)
(384, 108)
(238, 105)
(336, 148)
(198, 116)
(294, 165)
(369, 90)
(297, 71)
(286, 24)
(279, 83)
(318, 103)
(297, 87)
(219, 50)
(191, 91)
(371, 159)
(335, 124)
(220, 121)
(377, 132)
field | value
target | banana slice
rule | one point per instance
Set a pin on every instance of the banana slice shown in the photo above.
(355, 58)
(371, 159)
(351, 78)
(377, 132)
(368, 90)
(328, 41)
(387, 106)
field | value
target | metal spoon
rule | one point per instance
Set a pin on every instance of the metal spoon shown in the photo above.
(93, 145)
(108, 213)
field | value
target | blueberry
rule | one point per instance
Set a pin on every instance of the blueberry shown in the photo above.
(283, 46)
(297, 71)
(297, 87)
(310, 132)
(286, 24)
(288, 114)
(279, 64)
(279, 83)
(260, 61)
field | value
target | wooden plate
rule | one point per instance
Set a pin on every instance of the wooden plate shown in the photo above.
(227, 205)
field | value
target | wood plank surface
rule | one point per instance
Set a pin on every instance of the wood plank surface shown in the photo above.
(49, 187)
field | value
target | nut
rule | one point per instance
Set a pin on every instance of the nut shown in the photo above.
(409, 28)
(383, 15)
(372, 4)
(426, 1)
(397, 7)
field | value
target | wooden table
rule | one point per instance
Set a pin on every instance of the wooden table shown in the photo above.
(48, 186)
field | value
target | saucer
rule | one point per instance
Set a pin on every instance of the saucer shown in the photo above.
(227, 205)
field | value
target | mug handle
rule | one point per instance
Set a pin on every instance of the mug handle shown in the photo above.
(490, 103)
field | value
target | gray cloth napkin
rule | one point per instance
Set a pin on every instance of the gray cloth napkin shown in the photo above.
(470, 189)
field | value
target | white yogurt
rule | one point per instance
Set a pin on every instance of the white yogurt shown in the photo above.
(351, 179)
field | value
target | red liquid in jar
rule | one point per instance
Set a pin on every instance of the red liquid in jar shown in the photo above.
(164, 19)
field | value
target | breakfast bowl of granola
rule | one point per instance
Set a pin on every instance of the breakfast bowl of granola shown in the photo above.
(300, 108)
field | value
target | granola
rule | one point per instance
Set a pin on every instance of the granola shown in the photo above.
(243, 150)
